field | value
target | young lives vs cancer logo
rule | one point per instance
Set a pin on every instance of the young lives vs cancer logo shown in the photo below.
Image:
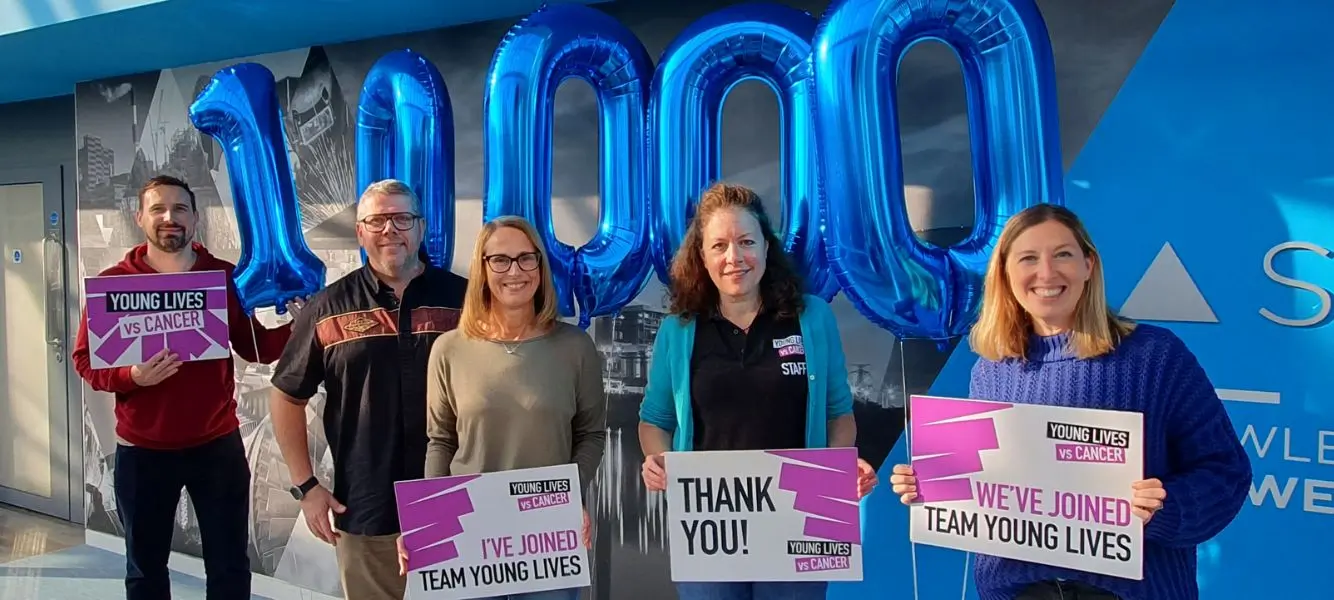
(790, 346)
(1088, 444)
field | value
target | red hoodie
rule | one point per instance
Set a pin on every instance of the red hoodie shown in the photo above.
(197, 404)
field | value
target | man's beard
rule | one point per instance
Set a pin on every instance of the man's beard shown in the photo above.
(169, 241)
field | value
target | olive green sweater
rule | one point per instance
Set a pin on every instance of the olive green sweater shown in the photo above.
(489, 410)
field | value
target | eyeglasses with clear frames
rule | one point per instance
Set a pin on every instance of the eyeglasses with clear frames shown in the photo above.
(500, 263)
(378, 223)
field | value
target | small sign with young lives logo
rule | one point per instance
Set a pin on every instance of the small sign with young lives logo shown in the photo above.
(133, 317)
(764, 515)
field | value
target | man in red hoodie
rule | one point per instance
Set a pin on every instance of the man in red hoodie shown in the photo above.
(176, 424)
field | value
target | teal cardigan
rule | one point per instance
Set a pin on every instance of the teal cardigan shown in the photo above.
(667, 396)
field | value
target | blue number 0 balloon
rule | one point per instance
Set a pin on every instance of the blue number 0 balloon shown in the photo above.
(554, 43)
(239, 108)
(405, 131)
(767, 42)
(895, 280)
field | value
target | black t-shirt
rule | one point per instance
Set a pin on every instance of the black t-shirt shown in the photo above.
(369, 350)
(748, 391)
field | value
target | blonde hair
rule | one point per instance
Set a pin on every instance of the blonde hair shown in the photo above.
(1003, 328)
(475, 320)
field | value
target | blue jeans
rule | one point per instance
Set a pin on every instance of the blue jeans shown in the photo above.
(570, 594)
(764, 590)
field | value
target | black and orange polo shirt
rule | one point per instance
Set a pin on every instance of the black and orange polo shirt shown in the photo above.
(369, 351)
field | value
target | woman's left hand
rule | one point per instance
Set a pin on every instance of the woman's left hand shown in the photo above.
(866, 478)
(1148, 498)
(588, 531)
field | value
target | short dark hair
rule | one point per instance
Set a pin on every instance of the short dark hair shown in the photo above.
(166, 181)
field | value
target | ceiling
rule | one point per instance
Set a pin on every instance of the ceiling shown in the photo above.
(61, 47)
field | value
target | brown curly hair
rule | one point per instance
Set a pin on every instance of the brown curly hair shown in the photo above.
(693, 291)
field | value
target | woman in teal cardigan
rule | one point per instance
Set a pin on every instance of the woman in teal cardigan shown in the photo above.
(746, 361)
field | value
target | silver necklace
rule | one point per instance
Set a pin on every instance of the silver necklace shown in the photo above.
(519, 342)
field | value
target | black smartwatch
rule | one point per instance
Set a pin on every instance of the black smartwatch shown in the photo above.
(300, 491)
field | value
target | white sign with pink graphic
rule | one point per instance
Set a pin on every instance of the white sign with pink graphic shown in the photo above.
(1044, 484)
(777, 515)
(479, 536)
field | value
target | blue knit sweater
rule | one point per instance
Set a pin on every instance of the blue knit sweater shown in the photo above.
(1189, 444)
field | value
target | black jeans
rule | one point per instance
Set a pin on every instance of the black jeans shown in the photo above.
(1064, 590)
(148, 490)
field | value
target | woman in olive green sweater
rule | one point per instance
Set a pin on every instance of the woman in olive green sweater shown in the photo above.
(514, 387)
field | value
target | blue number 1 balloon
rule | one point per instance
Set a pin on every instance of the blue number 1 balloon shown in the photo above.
(405, 131)
(552, 44)
(239, 108)
(895, 280)
(768, 42)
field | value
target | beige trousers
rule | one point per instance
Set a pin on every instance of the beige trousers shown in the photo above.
(368, 566)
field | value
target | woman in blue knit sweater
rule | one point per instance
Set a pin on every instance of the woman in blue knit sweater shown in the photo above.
(1047, 336)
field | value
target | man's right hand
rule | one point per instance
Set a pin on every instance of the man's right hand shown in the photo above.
(156, 370)
(317, 506)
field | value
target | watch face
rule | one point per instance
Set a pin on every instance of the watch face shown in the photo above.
(296, 493)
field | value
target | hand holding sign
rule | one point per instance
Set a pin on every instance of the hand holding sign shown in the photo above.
(905, 483)
(402, 558)
(163, 365)
(866, 478)
(587, 531)
(1148, 498)
(655, 473)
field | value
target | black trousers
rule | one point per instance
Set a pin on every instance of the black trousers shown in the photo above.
(148, 490)
(1064, 590)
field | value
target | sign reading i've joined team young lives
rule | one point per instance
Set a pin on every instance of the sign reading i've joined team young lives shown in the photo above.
(496, 534)
(1044, 484)
(776, 515)
(133, 317)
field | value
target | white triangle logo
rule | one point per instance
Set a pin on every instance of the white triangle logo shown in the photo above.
(1166, 292)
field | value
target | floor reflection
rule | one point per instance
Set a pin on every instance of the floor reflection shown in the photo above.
(24, 534)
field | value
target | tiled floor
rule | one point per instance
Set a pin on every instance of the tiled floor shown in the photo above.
(24, 534)
(46, 559)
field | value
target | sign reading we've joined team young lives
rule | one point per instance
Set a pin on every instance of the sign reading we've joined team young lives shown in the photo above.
(1044, 484)
(776, 515)
(496, 534)
(133, 317)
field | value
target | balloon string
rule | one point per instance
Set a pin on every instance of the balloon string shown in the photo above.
(254, 340)
(966, 557)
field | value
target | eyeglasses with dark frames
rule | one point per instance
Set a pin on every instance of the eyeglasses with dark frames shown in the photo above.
(378, 223)
(501, 263)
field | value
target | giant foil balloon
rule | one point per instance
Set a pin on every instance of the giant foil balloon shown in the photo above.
(405, 131)
(555, 43)
(767, 42)
(239, 108)
(898, 282)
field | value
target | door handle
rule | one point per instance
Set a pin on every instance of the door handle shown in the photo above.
(53, 259)
(58, 347)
